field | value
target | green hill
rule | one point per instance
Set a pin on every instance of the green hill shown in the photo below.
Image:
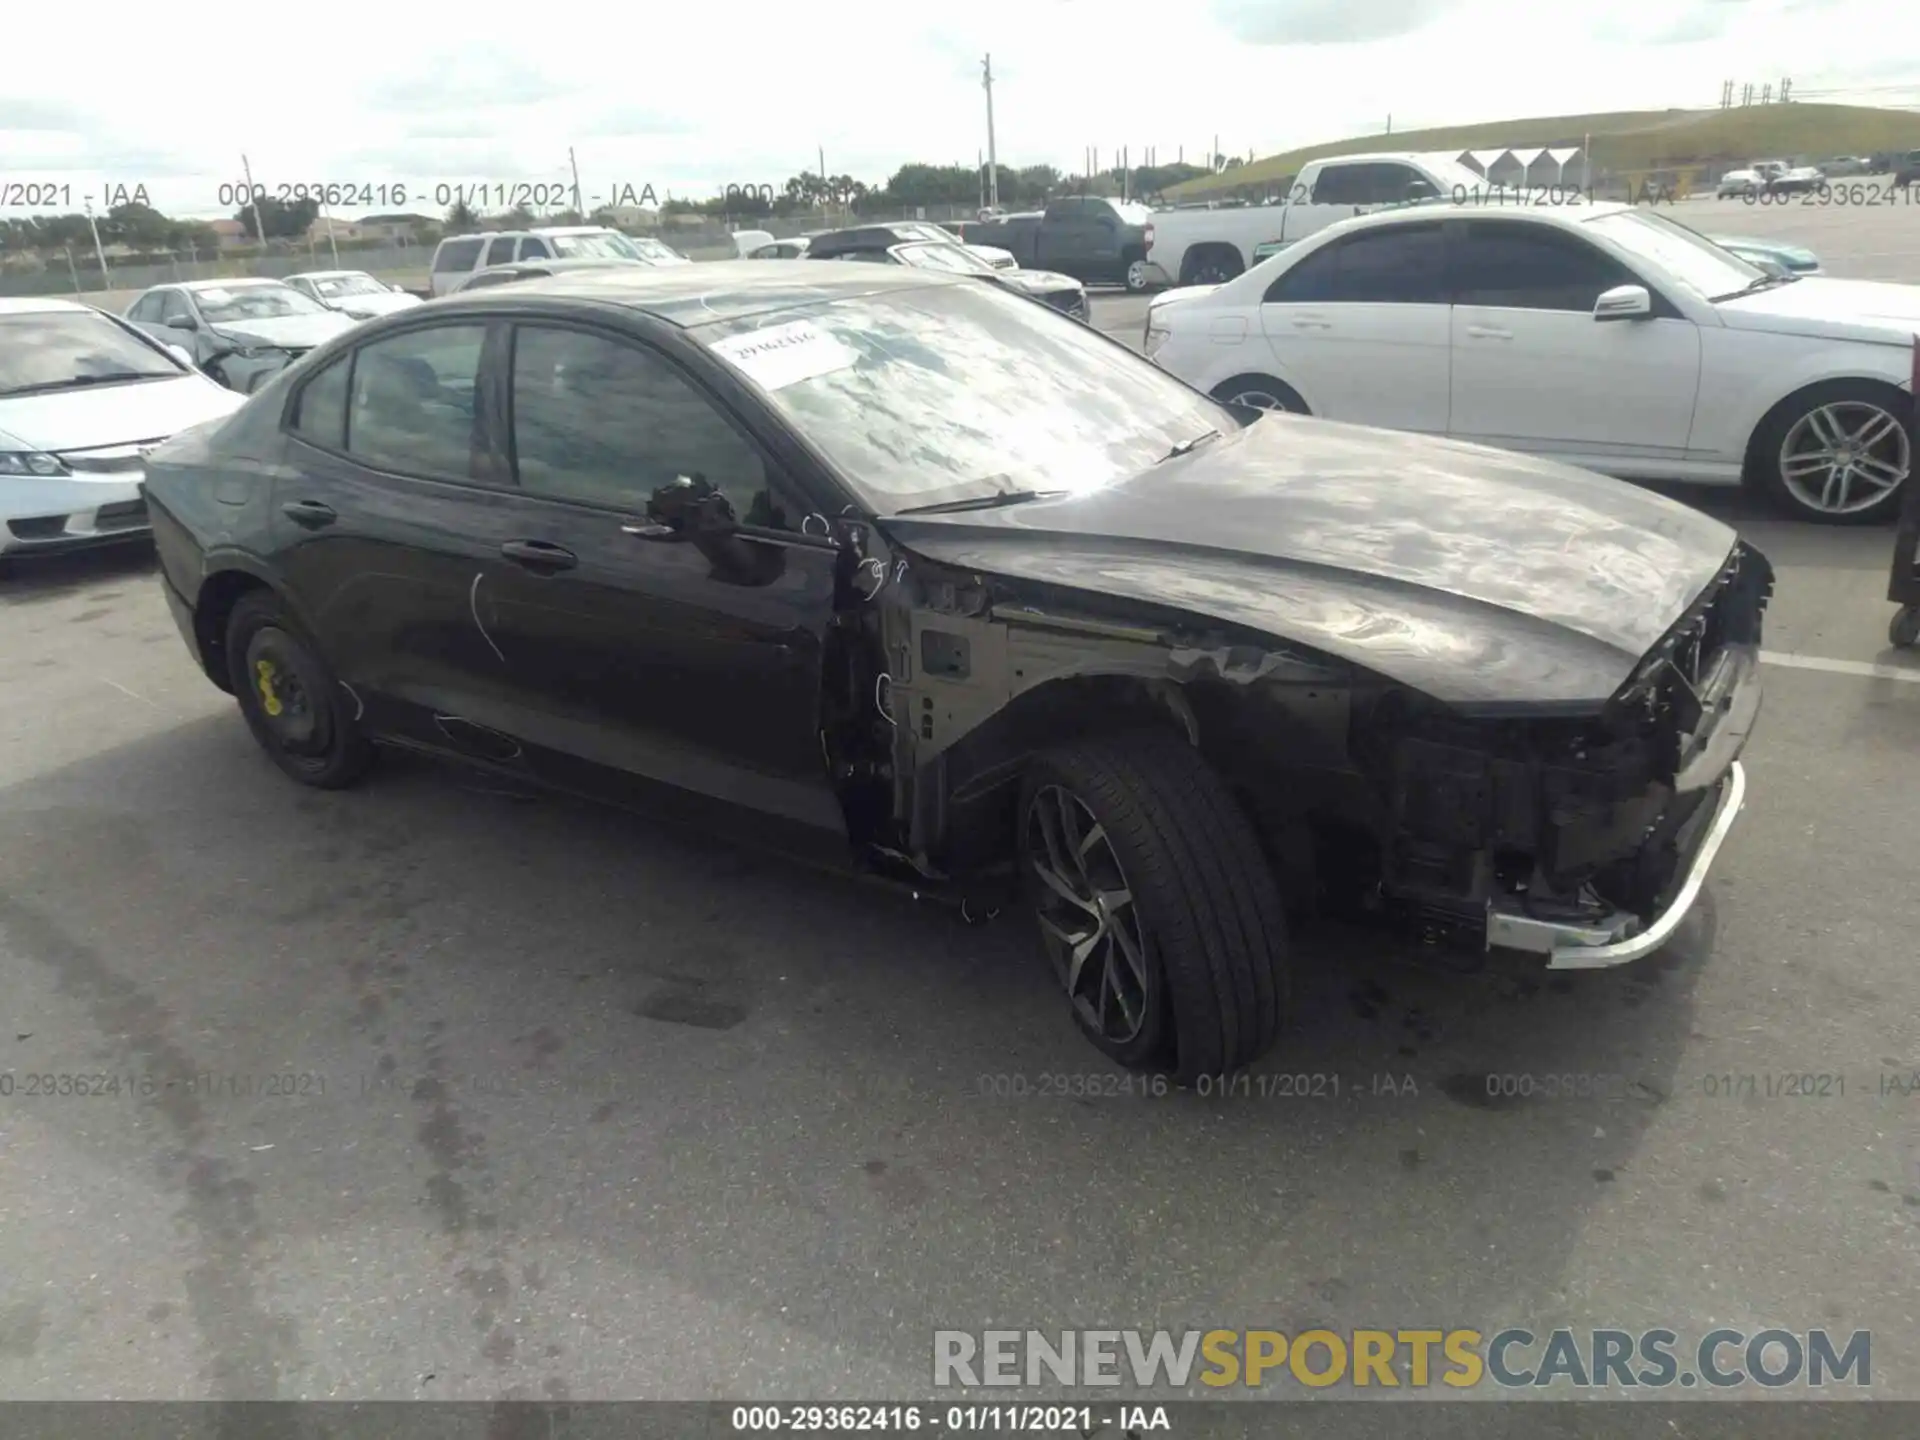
(1625, 143)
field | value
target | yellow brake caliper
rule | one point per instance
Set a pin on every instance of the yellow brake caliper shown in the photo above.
(264, 673)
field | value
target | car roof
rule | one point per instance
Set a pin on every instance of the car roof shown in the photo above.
(577, 262)
(1564, 215)
(533, 230)
(324, 274)
(37, 305)
(717, 290)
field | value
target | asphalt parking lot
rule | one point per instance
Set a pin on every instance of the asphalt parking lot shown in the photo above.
(588, 1106)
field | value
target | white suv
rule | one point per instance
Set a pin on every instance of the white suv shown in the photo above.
(459, 256)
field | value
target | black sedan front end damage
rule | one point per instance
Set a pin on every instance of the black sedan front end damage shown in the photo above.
(1588, 843)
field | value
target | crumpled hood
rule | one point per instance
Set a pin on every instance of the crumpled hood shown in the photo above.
(96, 416)
(1485, 578)
(299, 331)
(1820, 307)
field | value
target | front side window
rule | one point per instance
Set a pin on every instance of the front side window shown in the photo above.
(958, 391)
(534, 248)
(500, 252)
(1516, 266)
(607, 422)
(413, 403)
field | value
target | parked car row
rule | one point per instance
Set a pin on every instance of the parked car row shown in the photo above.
(1609, 337)
(935, 580)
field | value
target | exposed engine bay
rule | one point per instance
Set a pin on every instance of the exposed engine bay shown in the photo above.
(1369, 797)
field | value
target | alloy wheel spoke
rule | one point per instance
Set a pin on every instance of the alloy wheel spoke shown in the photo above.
(1833, 495)
(1877, 428)
(1881, 474)
(1130, 951)
(1077, 957)
(1062, 887)
(1807, 463)
(1827, 427)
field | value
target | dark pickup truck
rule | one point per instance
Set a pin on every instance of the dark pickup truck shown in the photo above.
(1095, 240)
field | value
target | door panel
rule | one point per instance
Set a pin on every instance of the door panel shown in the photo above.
(1360, 328)
(697, 663)
(1532, 368)
(1558, 381)
(383, 562)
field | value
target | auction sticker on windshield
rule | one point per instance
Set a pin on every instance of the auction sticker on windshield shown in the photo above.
(783, 355)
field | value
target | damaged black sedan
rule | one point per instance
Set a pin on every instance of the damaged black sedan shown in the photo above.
(909, 562)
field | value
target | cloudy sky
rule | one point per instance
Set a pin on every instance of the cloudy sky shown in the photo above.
(690, 98)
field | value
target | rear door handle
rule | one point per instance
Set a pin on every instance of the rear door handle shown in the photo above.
(309, 512)
(539, 555)
(1310, 322)
(1487, 332)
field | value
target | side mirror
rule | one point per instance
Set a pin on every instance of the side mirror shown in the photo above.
(182, 322)
(179, 352)
(687, 507)
(1624, 302)
(1421, 190)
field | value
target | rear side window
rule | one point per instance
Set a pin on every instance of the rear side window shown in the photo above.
(457, 255)
(320, 414)
(1396, 265)
(500, 252)
(413, 403)
(534, 248)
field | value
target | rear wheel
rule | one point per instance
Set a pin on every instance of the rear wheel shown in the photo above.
(1837, 453)
(1210, 265)
(289, 697)
(1259, 392)
(1154, 903)
(1139, 277)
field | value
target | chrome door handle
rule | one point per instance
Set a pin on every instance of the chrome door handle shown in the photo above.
(1486, 332)
(1304, 322)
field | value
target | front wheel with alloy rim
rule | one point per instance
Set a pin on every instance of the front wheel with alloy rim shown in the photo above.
(1838, 453)
(1139, 277)
(289, 698)
(1155, 904)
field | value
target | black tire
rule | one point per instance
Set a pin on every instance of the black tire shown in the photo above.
(1214, 265)
(1791, 422)
(1206, 912)
(312, 735)
(1252, 392)
(1903, 631)
(1135, 276)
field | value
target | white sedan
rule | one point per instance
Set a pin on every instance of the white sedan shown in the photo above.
(353, 292)
(1605, 336)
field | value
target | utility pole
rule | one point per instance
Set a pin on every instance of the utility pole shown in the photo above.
(100, 253)
(253, 199)
(993, 155)
(1786, 85)
(1389, 124)
(579, 200)
(1213, 160)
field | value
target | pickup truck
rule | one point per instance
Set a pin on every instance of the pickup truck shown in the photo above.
(1210, 247)
(1096, 240)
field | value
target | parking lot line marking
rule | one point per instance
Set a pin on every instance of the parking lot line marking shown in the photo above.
(1861, 668)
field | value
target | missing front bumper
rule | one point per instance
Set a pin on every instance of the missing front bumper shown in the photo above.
(1621, 937)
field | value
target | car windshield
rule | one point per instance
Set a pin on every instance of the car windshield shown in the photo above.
(958, 392)
(915, 230)
(52, 349)
(943, 256)
(1683, 252)
(604, 245)
(658, 250)
(255, 302)
(333, 286)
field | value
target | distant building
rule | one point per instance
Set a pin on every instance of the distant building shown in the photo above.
(394, 229)
(331, 227)
(230, 233)
(630, 217)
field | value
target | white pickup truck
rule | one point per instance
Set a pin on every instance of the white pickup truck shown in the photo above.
(1207, 247)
